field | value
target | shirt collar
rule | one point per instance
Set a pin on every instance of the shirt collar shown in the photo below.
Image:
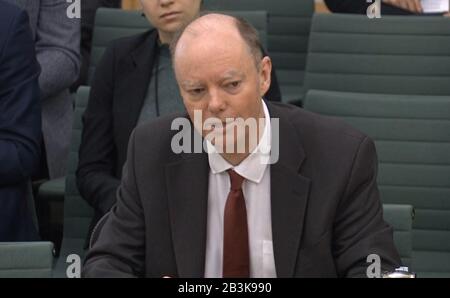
(253, 166)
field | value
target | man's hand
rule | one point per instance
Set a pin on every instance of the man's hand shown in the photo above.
(447, 14)
(410, 5)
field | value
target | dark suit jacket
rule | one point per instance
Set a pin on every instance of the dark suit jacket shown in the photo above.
(20, 123)
(117, 95)
(326, 211)
(360, 7)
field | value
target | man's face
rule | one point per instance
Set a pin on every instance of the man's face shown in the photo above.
(219, 77)
(169, 16)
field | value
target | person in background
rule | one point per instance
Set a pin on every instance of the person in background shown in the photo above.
(88, 10)
(133, 83)
(57, 43)
(20, 124)
(388, 7)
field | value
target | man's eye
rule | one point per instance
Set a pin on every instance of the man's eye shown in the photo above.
(234, 84)
(197, 90)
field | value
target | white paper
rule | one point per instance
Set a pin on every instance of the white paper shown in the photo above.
(435, 6)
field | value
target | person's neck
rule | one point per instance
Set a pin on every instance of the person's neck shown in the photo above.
(235, 158)
(165, 37)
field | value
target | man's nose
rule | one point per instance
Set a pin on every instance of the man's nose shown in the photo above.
(165, 2)
(216, 103)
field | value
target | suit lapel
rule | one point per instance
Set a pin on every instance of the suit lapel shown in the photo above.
(289, 196)
(187, 185)
(134, 77)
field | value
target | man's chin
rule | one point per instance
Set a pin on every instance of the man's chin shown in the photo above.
(221, 146)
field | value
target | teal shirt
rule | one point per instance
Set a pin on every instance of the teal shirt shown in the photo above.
(168, 94)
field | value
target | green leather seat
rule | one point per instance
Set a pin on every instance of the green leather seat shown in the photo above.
(53, 189)
(391, 55)
(26, 259)
(77, 213)
(390, 78)
(412, 136)
(400, 217)
(288, 31)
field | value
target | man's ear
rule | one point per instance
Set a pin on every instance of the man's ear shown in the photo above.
(265, 75)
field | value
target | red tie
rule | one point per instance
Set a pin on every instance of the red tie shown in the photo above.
(236, 255)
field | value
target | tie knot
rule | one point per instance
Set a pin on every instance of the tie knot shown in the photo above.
(236, 180)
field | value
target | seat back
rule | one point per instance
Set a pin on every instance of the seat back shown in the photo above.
(111, 24)
(412, 137)
(400, 217)
(392, 55)
(288, 31)
(77, 212)
(26, 259)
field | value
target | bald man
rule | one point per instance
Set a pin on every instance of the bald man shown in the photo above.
(301, 200)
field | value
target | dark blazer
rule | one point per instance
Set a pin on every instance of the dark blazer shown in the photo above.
(117, 95)
(360, 7)
(20, 123)
(326, 212)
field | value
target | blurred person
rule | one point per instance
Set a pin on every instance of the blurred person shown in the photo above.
(133, 83)
(20, 124)
(313, 212)
(57, 43)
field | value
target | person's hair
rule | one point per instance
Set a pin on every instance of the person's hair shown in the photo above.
(248, 33)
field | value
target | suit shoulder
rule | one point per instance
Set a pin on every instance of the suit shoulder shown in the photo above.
(125, 45)
(159, 130)
(152, 140)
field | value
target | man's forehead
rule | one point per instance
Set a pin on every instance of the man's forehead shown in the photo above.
(209, 26)
(210, 22)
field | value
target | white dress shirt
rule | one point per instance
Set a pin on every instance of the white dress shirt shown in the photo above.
(435, 6)
(256, 189)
